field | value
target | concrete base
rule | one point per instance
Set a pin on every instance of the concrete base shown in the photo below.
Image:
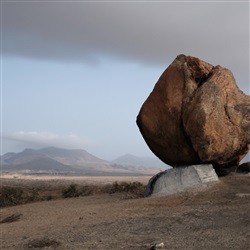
(181, 179)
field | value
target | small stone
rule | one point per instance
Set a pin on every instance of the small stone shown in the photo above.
(157, 246)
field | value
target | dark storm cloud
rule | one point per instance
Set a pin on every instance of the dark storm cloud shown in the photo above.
(146, 32)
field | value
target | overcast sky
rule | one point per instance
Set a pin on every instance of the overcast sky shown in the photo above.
(74, 74)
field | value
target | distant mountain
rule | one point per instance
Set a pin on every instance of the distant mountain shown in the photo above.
(76, 161)
(76, 157)
(43, 164)
(146, 162)
(7, 156)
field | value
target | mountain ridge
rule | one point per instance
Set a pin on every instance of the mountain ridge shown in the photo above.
(150, 162)
(77, 161)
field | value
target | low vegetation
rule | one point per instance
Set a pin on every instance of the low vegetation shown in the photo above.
(11, 196)
(11, 218)
(135, 188)
(74, 190)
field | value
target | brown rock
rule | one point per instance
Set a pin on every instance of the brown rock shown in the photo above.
(195, 114)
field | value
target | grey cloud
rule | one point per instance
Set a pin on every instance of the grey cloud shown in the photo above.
(37, 139)
(146, 32)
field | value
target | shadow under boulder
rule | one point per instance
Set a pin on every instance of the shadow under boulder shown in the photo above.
(244, 168)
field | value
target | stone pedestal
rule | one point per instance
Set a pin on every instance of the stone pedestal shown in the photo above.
(181, 179)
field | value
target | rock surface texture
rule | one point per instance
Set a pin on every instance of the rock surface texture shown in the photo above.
(196, 114)
(182, 179)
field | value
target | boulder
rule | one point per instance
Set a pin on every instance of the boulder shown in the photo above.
(196, 114)
(191, 178)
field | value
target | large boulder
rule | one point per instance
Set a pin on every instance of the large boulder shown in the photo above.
(196, 114)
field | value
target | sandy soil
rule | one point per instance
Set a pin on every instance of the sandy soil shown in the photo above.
(217, 218)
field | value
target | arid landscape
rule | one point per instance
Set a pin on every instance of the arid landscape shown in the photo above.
(124, 125)
(107, 218)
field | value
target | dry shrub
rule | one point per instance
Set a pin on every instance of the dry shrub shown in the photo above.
(134, 188)
(11, 218)
(74, 190)
(71, 191)
(131, 189)
(11, 196)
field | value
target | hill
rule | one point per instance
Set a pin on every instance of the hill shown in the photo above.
(68, 161)
(143, 162)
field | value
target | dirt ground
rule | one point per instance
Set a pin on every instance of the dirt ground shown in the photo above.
(215, 218)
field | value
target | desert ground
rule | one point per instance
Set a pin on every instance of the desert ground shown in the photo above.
(214, 218)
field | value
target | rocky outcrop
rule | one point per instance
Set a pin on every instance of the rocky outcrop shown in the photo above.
(191, 178)
(196, 114)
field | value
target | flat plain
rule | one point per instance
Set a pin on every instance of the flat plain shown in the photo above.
(214, 218)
